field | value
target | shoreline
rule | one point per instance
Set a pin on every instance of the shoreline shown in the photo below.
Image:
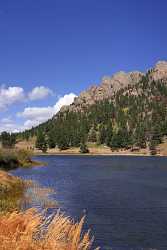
(19, 226)
(97, 154)
(99, 150)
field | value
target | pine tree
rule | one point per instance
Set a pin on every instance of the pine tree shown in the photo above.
(83, 148)
(92, 135)
(152, 147)
(62, 142)
(109, 134)
(41, 143)
(51, 139)
(8, 140)
(101, 139)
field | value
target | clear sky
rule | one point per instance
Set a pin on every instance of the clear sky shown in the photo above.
(51, 48)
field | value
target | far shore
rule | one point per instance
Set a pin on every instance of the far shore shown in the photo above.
(94, 150)
(96, 154)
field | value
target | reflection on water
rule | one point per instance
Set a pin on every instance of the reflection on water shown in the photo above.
(124, 198)
(37, 196)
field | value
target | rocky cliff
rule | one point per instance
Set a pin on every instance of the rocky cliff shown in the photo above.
(110, 85)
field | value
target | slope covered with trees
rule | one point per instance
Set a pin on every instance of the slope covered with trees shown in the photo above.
(133, 116)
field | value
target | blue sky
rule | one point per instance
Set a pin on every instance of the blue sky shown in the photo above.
(58, 48)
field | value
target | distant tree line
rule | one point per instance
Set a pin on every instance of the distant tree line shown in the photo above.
(8, 140)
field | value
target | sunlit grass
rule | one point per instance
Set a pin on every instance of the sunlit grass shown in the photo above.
(11, 192)
(29, 231)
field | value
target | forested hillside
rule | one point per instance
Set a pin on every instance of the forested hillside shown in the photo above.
(132, 115)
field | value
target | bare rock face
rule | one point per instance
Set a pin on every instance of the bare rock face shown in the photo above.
(110, 85)
(159, 72)
(120, 80)
(83, 100)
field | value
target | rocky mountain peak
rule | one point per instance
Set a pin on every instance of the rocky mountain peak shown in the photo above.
(111, 84)
(121, 80)
(161, 65)
(159, 72)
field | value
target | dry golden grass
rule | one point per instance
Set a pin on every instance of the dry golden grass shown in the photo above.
(27, 231)
(11, 191)
(8, 180)
(162, 148)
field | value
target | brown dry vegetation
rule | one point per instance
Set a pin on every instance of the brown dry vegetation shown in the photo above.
(94, 150)
(11, 191)
(162, 148)
(12, 158)
(27, 231)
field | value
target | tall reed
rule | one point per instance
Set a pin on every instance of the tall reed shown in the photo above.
(29, 231)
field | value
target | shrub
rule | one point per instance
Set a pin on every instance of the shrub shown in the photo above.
(10, 158)
(83, 148)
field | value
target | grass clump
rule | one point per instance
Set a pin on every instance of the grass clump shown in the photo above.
(24, 157)
(29, 231)
(11, 192)
(12, 158)
(8, 159)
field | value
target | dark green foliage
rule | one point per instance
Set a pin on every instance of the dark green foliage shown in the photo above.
(8, 140)
(12, 158)
(84, 149)
(62, 142)
(152, 147)
(92, 135)
(102, 135)
(51, 139)
(26, 136)
(8, 162)
(108, 134)
(41, 143)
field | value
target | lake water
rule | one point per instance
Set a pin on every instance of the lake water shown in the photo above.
(124, 197)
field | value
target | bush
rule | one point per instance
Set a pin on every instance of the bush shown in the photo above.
(83, 148)
(152, 147)
(10, 158)
(24, 156)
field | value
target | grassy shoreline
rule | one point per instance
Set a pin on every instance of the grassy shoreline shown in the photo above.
(97, 154)
(14, 158)
(95, 149)
(103, 150)
(25, 230)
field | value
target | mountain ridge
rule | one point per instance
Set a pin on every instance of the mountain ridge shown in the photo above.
(110, 85)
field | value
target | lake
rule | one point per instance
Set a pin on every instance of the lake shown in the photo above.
(124, 197)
